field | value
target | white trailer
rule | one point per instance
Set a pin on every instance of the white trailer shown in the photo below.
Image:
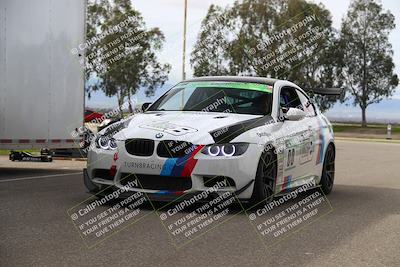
(41, 80)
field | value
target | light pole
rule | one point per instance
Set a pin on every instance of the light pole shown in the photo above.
(184, 42)
(184, 53)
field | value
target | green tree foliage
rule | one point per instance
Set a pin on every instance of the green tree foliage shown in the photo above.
(285, 39)
(121, 51)
(209, 55)
(366, 54)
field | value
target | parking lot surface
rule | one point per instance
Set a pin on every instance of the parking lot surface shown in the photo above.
(362, 229)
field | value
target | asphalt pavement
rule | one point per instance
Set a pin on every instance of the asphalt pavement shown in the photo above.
(361, 229)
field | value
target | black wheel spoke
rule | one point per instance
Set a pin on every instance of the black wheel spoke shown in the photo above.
(268, 173)
(329, 168)
(330, 179)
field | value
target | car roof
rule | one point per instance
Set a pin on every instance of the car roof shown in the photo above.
(244, 79)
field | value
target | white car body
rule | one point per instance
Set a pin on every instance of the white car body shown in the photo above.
(300, 155)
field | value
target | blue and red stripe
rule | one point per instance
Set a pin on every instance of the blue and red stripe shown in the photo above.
(181, 167)
(286, 182)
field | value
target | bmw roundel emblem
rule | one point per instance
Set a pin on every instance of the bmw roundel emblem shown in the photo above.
(159, 135)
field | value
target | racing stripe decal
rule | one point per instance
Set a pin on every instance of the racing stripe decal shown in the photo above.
(286, 182)
(228, 133)
(181, 167)
(166, 192)
(168, 167)
(191, 163)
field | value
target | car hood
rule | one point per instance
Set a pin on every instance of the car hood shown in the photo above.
(194, 127)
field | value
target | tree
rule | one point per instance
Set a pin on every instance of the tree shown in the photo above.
(289, 39)
(367, 64)
(121, 52)
(209, 53)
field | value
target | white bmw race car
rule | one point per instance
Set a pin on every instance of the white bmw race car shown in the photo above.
(256, 137)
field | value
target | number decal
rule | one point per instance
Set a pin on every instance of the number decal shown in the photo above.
(290, 158)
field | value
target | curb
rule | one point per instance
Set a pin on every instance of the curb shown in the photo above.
(370, 140)
(70, 159)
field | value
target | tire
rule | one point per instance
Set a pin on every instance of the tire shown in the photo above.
(328, 170)
(90, 186)
(264, 184)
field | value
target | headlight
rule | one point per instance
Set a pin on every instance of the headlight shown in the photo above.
(107, 143)
(225, 150)
(104, 139)
(113, 144)
(228, 150)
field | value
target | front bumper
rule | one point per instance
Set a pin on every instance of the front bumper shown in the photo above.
(233, 174)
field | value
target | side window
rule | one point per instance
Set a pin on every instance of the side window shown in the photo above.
(308, 107)
(289, 99)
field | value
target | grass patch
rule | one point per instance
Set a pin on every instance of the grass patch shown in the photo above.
(7, 152)
(372, 129)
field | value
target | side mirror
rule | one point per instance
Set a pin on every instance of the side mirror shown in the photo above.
(145, 106)
(295, 114)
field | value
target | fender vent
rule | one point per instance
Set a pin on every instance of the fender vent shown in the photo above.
(157, 182)
(140, 147)
(103, 174)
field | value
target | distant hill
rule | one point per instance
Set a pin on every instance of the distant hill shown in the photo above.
(383, 112)
(99, 100)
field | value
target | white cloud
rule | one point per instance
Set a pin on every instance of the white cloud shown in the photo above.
(396, 95)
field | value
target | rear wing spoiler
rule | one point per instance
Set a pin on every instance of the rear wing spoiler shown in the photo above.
(326, 91)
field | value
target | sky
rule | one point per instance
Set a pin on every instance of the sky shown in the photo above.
(168, 16)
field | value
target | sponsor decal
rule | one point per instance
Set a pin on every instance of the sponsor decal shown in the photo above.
(291, 153)
(280, 158)
(144, 165)
(220, 132)
(263, 134)
(321, 143)
(234, 85)
(169, 128)
(306, 152)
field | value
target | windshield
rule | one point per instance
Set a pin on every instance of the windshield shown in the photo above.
(231, 97)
